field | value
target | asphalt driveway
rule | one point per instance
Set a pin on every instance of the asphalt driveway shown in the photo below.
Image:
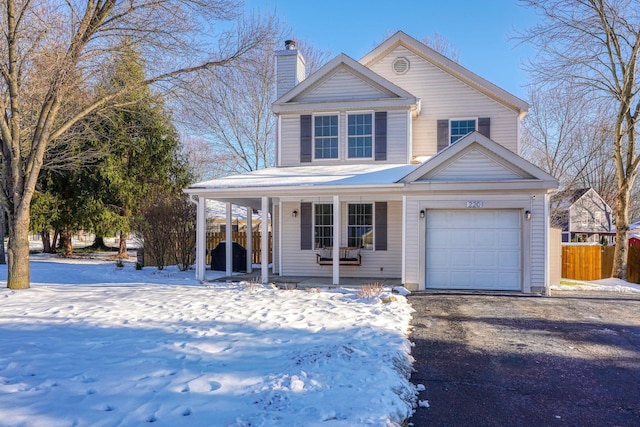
(572, 359)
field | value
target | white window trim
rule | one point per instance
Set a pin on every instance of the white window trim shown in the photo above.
(373, 134)
(313, 136)
(373, 223)
(313, 226)
(456, 119)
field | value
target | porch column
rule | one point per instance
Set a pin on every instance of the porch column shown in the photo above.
(249, 239)
(404, 243)
(336, 240)
(229, 242)
(201, 238)
(264, 230)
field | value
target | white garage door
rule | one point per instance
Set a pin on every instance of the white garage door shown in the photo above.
(474, 249)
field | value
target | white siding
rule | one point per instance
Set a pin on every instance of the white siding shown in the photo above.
(412, 242)
(340, 86)
(290, 141)
(445, 97)
(397, 135)
(385, 264)
(538, 241)
(473, 165)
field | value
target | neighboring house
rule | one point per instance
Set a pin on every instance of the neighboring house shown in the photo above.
(582, 215)
(406, 165)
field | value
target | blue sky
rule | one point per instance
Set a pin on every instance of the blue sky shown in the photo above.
(479, 29)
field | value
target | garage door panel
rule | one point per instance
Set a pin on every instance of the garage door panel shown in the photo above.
(484, 238)
(510, 260)
(462, 259)
(485, 260)
(474, 249)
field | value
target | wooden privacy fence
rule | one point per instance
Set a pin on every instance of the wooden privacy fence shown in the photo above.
(595, 262)
(240, 237)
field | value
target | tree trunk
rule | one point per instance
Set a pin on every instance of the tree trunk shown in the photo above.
(54, 241)
(45, 236)
(621, 252)
(18, 250)
(66, 243)
(3, 231)
(122, 246)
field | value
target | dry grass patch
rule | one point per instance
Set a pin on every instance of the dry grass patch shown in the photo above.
(370, 290)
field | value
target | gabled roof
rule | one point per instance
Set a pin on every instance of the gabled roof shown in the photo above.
(505, 165)
(447, 65)
(566, 198)
(390, 93)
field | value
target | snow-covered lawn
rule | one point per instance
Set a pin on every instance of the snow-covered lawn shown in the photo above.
(93, 344)
(608, 285)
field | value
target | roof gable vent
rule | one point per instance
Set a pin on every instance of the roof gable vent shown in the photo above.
(400, 65)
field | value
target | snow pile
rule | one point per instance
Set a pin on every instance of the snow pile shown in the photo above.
(610, 285)
(93, 344)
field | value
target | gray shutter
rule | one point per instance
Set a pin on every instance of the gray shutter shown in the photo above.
(381, 135)
(305, 138)
(484, 126)
(381, 226)
(443, 134)
(306, 226)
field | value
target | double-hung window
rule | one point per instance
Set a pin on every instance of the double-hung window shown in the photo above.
(323, 225)
(460, 128)
(326, 137)
(360, 135)
(360, 225)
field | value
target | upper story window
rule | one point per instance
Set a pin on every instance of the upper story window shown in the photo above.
(360, 225)
(360, 135)
(326, 137)
(460, 128)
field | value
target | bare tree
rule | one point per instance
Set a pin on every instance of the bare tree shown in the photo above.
(565, 134)
(54, 50)
(230, 107)
(442, 45)
(595, 44)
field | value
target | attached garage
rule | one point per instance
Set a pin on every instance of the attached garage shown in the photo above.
(474, 249)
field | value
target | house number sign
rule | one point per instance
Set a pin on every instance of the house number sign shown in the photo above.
(474, 204)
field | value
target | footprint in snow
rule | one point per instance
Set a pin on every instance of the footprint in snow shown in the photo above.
(203, 386)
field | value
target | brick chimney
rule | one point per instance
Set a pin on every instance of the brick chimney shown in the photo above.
(290, 68)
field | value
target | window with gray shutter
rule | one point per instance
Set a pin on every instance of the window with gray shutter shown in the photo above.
(306, 227)
(484, 126)
(443, 134)
(381, 226)
(381, 135)
(305, 139)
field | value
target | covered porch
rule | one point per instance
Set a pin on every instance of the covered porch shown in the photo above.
(287, 198)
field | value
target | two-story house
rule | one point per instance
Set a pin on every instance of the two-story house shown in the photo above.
(401, 165)
(583, 216)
